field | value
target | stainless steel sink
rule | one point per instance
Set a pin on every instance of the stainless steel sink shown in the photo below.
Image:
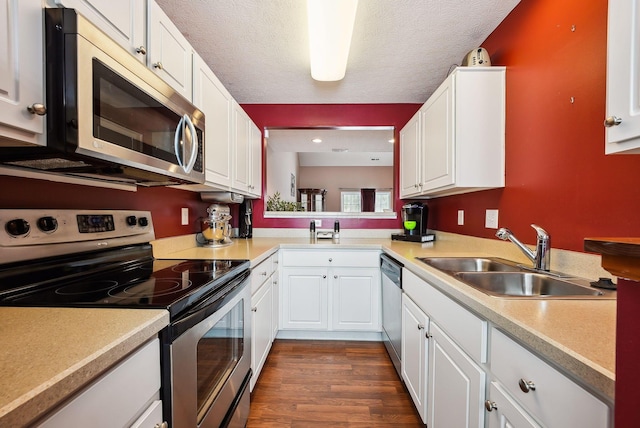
(470, 264)
(525, 284)
(506, 279)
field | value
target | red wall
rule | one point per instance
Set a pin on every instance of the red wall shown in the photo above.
(301, 115)
(164, 203)
(556, 172)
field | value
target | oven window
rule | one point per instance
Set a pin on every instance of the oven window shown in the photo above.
(219, 351)
(128, 117)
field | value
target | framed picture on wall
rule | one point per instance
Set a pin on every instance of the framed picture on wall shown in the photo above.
(293, 186)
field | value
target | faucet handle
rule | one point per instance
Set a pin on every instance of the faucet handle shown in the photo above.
(540, 231)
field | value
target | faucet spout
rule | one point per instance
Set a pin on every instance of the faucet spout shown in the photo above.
(541, 258)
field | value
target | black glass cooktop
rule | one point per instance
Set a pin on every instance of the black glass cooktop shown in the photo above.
(143, 283)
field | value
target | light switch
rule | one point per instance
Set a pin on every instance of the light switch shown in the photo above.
(460, 217)
(185, 217)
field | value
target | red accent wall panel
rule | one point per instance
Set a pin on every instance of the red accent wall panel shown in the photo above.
(303, 115)
(557, 175)
(164, 203)
(627, 351)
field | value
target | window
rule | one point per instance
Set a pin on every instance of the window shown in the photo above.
(351, 201)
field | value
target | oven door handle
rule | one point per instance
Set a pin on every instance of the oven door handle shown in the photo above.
(208, 306)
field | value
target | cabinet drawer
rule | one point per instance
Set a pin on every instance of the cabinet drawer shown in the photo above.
(117, 397)
(466, 329)
(556, 401)
(261, 273)
(329, 258)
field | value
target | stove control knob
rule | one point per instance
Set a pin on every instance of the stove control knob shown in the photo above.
(131, 220)
(47, 224)
(17, 227)
(143, 221)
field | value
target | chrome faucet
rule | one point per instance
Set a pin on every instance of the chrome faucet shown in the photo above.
(542, 257)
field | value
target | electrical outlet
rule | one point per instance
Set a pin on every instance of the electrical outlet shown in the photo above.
(318, 223)
(185, 217)
(460, 217)
(491, 219)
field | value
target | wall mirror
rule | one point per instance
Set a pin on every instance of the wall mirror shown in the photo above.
(330, 171)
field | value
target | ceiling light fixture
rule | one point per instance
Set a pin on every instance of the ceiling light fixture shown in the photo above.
(316, 140)
(330, 29)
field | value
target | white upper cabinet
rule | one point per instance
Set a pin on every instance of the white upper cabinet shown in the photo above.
(124, 21)
(210, 96)
(623, 78)
(169, 54)
(255, 159)
(457, 136)
(409, 157)
(21, 72)
(241, 150)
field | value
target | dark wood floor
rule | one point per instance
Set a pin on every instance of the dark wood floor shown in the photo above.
(308, 383)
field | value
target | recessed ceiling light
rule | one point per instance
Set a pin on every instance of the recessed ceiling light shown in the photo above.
(316, 140)
(340, 150)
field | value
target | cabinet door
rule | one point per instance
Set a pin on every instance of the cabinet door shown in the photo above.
(170, 55)
(261, 312)
(505, 412)
(437, 137)
(410, 157)
(241, 150)
(304, 299)
(125, 23)
(415, 345)
(255, 158)
(210, 96)
(275, 302)
(355, 299)
(623, 77)
(456, 386)
(21, 70)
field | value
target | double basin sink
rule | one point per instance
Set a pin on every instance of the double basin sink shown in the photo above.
(507, 279)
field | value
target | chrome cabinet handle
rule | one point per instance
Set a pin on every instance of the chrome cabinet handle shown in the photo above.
(164, 424)
(612, 121)
(330, 259)
(490, 405)
(428, 335)
(526, 386)
(263, 273)
(37, 108)
(143, 51)
(335, 276)
(275, 262)
(254, 309)
(420, 326)
(158, 65)
(324, 276)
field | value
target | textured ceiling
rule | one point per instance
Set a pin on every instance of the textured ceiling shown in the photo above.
(401, 50)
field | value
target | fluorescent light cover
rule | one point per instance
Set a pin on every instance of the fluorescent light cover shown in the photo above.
(330, 29)
(316, 140)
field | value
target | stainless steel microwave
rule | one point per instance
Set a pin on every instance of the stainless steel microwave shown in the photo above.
(108, 115)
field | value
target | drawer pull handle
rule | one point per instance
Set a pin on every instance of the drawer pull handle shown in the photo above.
(420, 326)
(158, 65)
(526, 386)
(330, 259)
(490, 405)
(141, 50)
(428, 335)
(162, 425)
(254, 309)
(324, 276)
(612, 121)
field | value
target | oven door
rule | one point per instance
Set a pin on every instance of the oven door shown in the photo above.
(211, 361)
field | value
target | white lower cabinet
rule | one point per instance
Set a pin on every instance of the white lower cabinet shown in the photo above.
(415, 347)
(261, 333)
(546, 394)
(127, 395)
(504, 412)
(334, 290)
(458, 367)
(263, 312)
(456, 385)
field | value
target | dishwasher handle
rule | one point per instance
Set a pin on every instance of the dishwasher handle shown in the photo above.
(391, 269)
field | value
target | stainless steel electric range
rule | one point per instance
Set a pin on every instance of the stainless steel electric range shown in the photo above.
(90, 258)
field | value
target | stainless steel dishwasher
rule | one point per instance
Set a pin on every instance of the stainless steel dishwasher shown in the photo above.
(391, 271)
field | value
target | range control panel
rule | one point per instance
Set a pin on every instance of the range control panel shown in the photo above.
(53, 228)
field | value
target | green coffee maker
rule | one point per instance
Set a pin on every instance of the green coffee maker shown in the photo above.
(414, 223)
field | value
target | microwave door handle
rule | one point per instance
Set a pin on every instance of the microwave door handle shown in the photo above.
(176, 142)
(194, 144)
